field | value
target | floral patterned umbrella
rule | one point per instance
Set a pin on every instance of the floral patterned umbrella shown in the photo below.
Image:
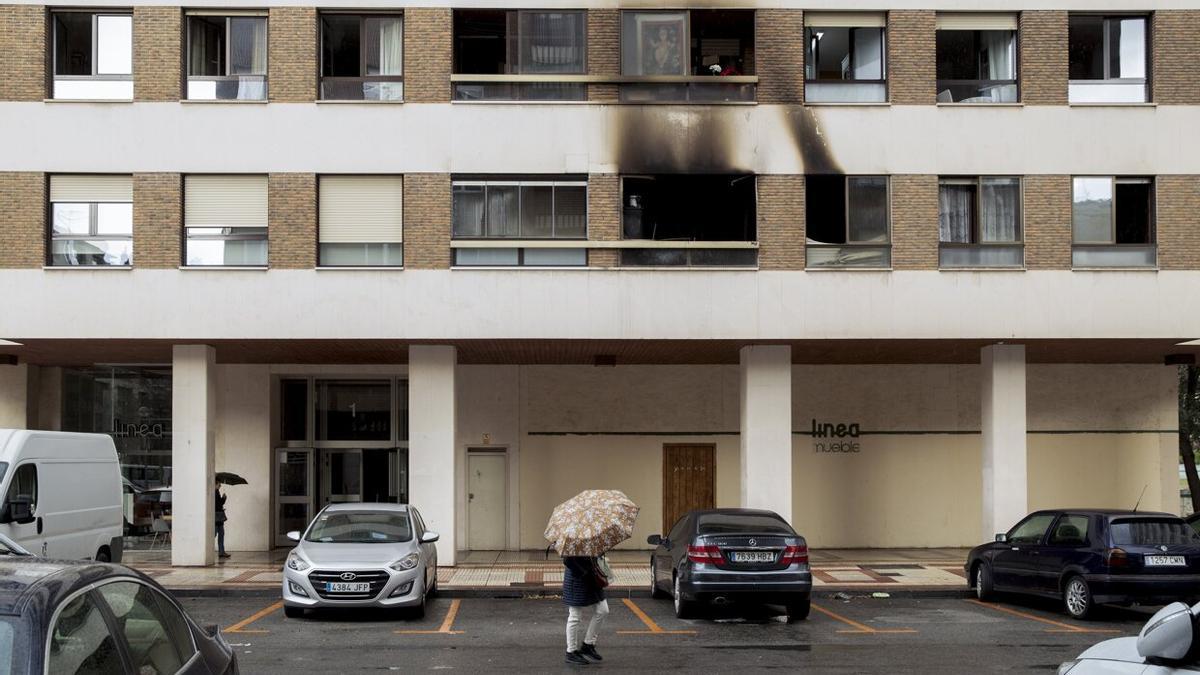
(591, 522)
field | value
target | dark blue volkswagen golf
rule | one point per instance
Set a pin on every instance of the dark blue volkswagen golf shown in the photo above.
(1088, 557)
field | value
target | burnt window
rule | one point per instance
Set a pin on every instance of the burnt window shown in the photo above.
(976, 58)
(362, 57)
(847, 221)
(717, 43)
(692, 210)
(494, 43)
(1108, 59)
(1112, 221)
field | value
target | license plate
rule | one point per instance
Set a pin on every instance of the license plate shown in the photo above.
(752, 556)
(1165, 561)
(341, 587)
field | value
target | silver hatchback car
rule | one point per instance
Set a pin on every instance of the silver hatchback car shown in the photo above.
(361, 555)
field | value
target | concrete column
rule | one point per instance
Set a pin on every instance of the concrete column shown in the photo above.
(1005, 479)
(18, 396)
(193, 449)
(431, 453)
(766, 433)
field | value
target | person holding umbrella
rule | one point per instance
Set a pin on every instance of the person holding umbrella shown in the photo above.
(219, 517)
(583, 589)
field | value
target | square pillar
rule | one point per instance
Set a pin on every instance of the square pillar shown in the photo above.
(18, 396)
(1005, 478)
(766, 428)
(431, 452)
(193, 451)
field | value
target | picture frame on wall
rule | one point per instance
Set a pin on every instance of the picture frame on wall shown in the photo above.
(662, 43)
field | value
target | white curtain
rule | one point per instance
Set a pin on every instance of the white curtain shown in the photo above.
(1000, 201)
(1000, 46)
(551, 42)
(954, 213)
(391, 47)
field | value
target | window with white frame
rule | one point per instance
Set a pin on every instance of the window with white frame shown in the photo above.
(545, 215)
(979, 222)
(845, 57)
(225, 221)
(976, 58)
(1109, 57)
(361, 221)
(93, 55)
(91, 220)
(1112, 221)
(362, 57)
(226, 57)
(847, 221)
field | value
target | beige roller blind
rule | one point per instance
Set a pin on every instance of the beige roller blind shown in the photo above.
(225, 201)
(845, 19)
(361, 209)
(91, 188)
(976, 21)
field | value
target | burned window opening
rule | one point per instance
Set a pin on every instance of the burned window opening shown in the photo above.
(689, 208)
(847, 221)
(519, 42)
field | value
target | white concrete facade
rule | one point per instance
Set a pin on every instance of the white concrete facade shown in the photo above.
(433, 455)
(1005, 474)
(766, 428)
(193, 453)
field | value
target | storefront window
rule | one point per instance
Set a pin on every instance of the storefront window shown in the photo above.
(349, 410)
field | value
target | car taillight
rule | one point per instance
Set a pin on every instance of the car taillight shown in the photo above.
(704, 554)
(794, 554)
(1116, 557)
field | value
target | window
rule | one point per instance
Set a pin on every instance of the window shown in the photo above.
(91, 220)
(536, 46)
(1113, 222)
(1031, 530)
(1152, 532)
(847, 221)
(1070, 531)
(845, 58)
(227, 57)
(487, 211)
(1109, 57)
(700, 220)
(976, 58)
(979, 222)
(225, 219)
(81, 641)
(354, 410)
(362, 57)
(361, 221)
(93, 55)
(708, 54)
(24, 486)
(156, 633)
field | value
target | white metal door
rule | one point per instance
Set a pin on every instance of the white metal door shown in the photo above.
(486, 501)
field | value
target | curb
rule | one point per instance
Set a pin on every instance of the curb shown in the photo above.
(824, 593)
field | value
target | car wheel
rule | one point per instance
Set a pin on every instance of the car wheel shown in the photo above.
(418, 612)
(798, 610)
(293, 612)
(102, 555)
(983, 583)
(655, 592)
(433, 589)
(1077, 598)
(684, 609)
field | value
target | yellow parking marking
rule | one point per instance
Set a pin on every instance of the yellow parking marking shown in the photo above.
(447, 623)
(1059, 627)
(240, 627)
(652, 628)
(859, 627)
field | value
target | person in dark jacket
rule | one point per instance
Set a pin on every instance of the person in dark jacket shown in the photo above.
(219, 518)
(582, 590)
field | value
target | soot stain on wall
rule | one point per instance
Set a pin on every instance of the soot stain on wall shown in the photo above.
(808, 139)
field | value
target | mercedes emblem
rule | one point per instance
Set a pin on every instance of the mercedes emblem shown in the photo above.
(753, 542)
(349, 576)
(1163, 549)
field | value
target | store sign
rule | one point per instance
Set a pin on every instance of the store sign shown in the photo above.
(830, 437)
(138, 430)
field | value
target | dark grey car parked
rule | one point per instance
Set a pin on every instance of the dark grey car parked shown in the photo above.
(719, 556)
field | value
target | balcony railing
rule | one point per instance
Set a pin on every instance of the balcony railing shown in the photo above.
(1144, 256)
(981, 256)
(834, 256)
(633, 88)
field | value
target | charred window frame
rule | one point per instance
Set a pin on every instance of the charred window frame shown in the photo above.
(977, 65)
(1113, 221)
(519, 221)
(848, 221)
(349, 55)
(846, 59)
(1103, 66)
(688, 56)
(91, 54)
(226, 56)
(980, 222)
(519, 55)
(712, 217)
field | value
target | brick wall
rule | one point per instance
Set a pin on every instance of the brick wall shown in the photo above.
(1175, 36)
(292, 220)
(1047, 210)
(603, 51)
(292, 54)
(427, 55)
(22, 219)
(157, 219)
(911, 53)
(156, 53)
(779, 55)
(1178, 200)
(914, 222)
(604, 217)
(781, 222)
(1044, 58)
(427, 204)
(22, 53)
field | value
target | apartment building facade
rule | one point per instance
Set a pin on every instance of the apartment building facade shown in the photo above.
(899, 274)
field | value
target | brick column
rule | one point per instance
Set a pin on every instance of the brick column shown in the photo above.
(781, 222)
(603, 51)
(427, 206)
(914, 222)
(1044, 59)
(1047, 210)
(604, 217)
(22, 53)
(292, 220)
(157, 34)
(292, 54)
(157, 220)
(1178, 201)
(912, 56)
(22, 219)
(1175, 37)
(427, 55)
(779, 55)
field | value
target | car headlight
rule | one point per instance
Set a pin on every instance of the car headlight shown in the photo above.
(294, 561)
(1066, 667)
(406, 563)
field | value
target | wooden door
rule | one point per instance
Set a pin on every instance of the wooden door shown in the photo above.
(688, 480)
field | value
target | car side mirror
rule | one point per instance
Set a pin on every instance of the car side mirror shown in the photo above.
(18, 510)
(654, 540)
(1001, 538)
(294, 535)
(430, 537)
(1168, 634)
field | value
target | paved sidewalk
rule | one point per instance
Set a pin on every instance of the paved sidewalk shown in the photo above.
(906, 571)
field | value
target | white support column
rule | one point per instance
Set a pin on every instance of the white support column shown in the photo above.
(766, 431)
(193, 450)
(432, 476)
(18, 396)
(1005, 478)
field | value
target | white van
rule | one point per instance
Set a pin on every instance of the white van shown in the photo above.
(61, 494)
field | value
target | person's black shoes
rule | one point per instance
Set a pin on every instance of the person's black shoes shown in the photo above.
(223, 555)
(590, 652)
(576, 659)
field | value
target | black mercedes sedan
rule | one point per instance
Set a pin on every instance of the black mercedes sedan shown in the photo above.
(719, 556)
(1087, 557)
(77, 618)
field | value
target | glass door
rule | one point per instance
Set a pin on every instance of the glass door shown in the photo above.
(293, 491)
(341, 475)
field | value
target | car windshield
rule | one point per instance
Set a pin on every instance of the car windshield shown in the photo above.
(1152, 532)
(729, 523)
(360, 527)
